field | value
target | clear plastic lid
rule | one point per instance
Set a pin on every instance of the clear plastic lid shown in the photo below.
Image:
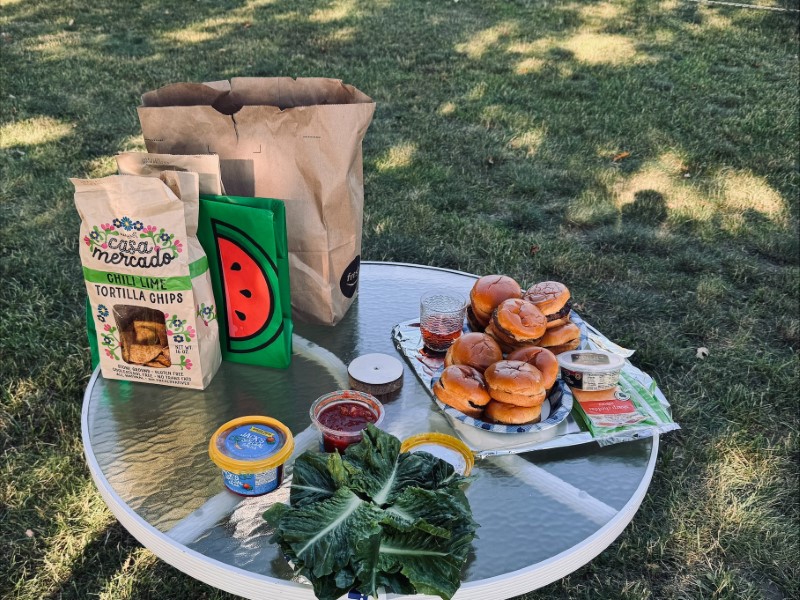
(441, 445)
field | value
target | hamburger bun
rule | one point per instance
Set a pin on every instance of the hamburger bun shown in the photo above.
(561, 338)
(541, 358)
(505, 345)
(508, 414)
(474, 323)
(464, 389)
(518, 399)
(553, 299)
(477, 350)
(519, 320)
(489, 291)
(516, 382)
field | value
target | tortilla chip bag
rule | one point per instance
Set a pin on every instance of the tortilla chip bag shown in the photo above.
(150, 296)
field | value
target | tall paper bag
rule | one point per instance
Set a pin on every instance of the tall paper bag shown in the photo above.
(294, 139)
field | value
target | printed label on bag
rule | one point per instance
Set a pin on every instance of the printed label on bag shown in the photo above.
(349, 281)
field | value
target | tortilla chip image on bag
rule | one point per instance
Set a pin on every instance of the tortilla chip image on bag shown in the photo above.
(150, 297)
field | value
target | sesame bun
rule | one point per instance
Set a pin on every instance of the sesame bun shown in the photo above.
(477, 350)
(515, 381)
(519, 320)
(561, 338)
(553, 299)
(508, 414)
(489, 291)
(541, 358)
(464, 389)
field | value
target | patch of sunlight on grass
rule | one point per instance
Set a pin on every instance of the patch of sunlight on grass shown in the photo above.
(57, 44)
(189, 36)
(133, 143)
(737, 486)
(683, 199)
(82, 516)
(714, 18)
(336, 12)
(602, 48)
(398, 157)
(487, 39)
(598, 13)
(446, 109)
(593, 207)
(745, 191)
(202, 31)
(290, 15)
(32, 132)
(344, 34)
(528, 65)
(530, 141)
(122, 585)
(727, 195)
(529, 48)
(478, 91)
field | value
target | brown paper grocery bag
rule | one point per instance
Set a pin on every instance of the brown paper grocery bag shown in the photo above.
(294, 139)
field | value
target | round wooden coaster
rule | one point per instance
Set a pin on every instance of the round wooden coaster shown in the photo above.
(376, 374)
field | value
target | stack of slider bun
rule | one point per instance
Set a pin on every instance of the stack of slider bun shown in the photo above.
(503, 370)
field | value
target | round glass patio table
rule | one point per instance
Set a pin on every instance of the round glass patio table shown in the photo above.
(542, 514)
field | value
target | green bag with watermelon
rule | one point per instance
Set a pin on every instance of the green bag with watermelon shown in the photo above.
(245, 241)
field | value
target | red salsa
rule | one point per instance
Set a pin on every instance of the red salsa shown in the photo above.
(348, 418)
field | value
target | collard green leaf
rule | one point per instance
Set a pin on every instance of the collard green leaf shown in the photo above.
(274, 514)
(326, 588)
(379, 471)
(431, 564)
(433, 511)
(311, 479)
(321, 536)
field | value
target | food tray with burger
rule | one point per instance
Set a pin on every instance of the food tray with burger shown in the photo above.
(502, 376)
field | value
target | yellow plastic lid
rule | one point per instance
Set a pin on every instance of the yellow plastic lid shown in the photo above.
(251, 445)
(441, 445)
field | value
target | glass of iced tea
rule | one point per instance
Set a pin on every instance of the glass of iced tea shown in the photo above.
(441, 318)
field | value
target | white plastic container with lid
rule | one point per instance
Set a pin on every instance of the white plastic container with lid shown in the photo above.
(590, 370)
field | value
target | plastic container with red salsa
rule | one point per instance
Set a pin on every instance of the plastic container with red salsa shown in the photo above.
(341, 417)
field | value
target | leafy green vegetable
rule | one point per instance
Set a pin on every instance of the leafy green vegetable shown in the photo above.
(375, 517)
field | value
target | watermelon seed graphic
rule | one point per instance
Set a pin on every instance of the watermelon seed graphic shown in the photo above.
(246, 293)
(236, 267)
(241, 315)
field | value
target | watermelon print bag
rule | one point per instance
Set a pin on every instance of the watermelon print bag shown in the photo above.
(245, 240)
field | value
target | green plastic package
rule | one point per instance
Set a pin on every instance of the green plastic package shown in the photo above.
(245, 241)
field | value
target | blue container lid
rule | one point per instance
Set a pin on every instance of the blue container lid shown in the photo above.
(253, 441)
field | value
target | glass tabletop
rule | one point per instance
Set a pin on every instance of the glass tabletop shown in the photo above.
(149, 444)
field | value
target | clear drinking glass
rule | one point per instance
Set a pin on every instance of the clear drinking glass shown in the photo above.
(441, 318)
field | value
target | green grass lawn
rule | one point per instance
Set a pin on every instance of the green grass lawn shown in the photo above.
(644, 152)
